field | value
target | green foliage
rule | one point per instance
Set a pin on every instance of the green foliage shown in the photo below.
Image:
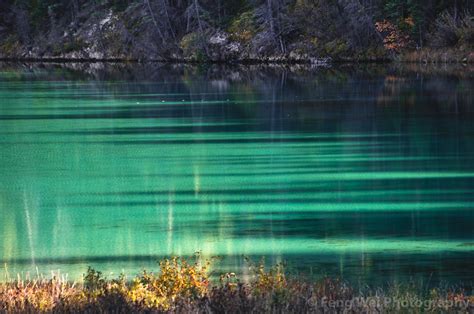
(407, 15)
(10, 45)
(226, 11)
(188, 43)
(74, 44)
(243, 27)
(193, 46)
(201, 57)
(337, 47)
(38, 13)
(119, 5)
(400, 9)
(93, 280)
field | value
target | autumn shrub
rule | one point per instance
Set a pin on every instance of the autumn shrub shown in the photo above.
(394, 38)
(183, 286)
(177, 279)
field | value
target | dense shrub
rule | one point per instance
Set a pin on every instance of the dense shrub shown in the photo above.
(451, 30)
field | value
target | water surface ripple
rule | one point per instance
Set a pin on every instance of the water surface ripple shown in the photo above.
(363, 173)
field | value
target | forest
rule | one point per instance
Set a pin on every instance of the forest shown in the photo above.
(226, 30)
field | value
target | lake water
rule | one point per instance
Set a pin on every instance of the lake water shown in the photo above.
(364, 173)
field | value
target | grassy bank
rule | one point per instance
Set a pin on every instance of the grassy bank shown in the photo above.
(186, 286)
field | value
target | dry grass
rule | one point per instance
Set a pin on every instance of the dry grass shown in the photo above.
(450, 41)
(431, 55)
(183, 286)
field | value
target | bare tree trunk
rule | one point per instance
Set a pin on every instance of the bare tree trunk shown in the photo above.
(219, 11)
(154, 20)
(282, 44)
(201, 29)
(271, 22)
(270, 17)
(455, 9)
(75, 9)
(168, 21)
(198, 16)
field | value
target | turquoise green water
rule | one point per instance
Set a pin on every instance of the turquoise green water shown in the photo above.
(367, 174)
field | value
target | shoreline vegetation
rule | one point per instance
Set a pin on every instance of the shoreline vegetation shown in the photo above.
(237, 31)
(422, 56)
(188, 285)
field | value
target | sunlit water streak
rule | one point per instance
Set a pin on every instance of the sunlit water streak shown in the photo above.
(362, 175)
